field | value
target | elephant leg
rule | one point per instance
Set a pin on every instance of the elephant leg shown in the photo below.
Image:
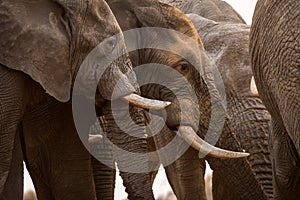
(12, 105)
(56, 159)
(186, 176)
(286, 164)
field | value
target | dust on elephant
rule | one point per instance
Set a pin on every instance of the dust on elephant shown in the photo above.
(274, 50)
(43, 44)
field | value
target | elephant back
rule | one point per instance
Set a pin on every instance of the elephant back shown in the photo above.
(33, 40)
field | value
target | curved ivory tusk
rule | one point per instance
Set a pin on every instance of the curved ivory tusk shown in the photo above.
(95, 138)
(142, 102)
(253, 87)
(190, 136)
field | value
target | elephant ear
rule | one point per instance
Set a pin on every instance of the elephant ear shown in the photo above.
(34, 40)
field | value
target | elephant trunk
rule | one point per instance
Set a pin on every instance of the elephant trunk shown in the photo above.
(239, 181)
(251, 122)
(102, 161)
(182, 165)
(130, 147)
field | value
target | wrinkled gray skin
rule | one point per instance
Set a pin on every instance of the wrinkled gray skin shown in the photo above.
(131, 14)
(39, 127)
(229, 56)
(275, 59)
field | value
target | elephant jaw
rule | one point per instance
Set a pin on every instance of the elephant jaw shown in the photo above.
(190, 136)
(146, 103)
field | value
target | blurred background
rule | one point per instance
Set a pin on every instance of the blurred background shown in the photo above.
(161, 188)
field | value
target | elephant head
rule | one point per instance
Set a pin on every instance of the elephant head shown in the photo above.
(190, 83)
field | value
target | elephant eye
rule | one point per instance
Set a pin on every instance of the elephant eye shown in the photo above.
(183, 68)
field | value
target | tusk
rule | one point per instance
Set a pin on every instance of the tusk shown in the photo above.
(189, 135)
(145, 103)
(95, 138)
(253, 87)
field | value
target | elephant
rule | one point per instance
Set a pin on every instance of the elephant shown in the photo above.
(229, 55)
(43, 45)
(274, 51)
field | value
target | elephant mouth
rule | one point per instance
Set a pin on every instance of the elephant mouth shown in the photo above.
(191, 137)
